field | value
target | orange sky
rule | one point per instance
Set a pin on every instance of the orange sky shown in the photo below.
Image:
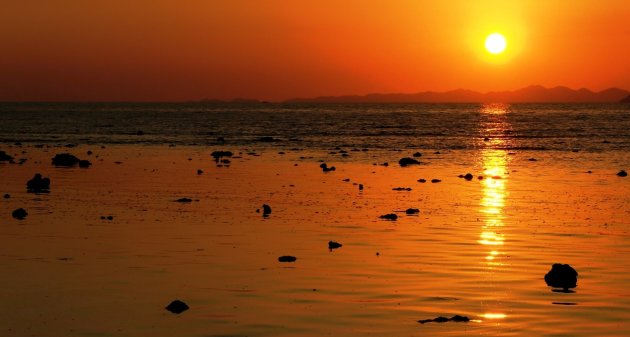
(276, 49)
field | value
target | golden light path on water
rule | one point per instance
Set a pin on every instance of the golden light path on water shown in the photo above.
(494, 183)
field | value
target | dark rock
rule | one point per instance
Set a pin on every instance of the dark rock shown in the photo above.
(89, 153)
(19, 213)
(412, 211)
(84, 163)
(217, 155)
(220, 139)
(139, 133)
(267, 139)
(360, 187)
(287, 258)
(38, 184)
(7, 196)
(5, 157)
(435, 180)
(334, 245)
(65, 160)
(485, 139)
(177, 307)
(468, 176)
(606, 141)
(532, 159)
(480, 177)
(266, 210)
(407, 161)
(417, 154)
(401, 189)
(109, 217)
(225, 161)
(184, 200)
(199, 171)
(442, 319)
(422, 180)
(622, 173)
(561, 276)
(390, 216)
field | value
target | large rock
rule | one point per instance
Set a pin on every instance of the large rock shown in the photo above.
(561, 276)
(65, 160)
(5, 157)
(177, 307)
(407, 161)
(38, 184)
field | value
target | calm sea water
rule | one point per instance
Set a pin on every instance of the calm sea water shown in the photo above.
(562, 127)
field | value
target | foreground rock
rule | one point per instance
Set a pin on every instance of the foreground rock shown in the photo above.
(19, 214)
(266, 210)
(442, 319)
(287, 258)
(65, 160)
(561, 276)
(334, 245)
(5, 157)
(38, 184)
(177, 307)
(407, 161)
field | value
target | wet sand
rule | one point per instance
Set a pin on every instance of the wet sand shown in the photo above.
(477, 248)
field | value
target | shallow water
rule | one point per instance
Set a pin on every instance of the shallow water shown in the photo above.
(478, 248)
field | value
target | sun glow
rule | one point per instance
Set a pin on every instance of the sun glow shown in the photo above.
(495, 43)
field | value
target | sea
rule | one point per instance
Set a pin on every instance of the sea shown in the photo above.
(537, 127)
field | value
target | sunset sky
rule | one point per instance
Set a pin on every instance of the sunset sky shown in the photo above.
(77, 50)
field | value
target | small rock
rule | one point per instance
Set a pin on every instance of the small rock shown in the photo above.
(110, 218)
(184, 200)
(532, 159)
(360, 187)
(334, 245)
(468, 176)
(287, 258)
(390, 216)
(65, 160)
(89, 153)
(199, 171)
(38, 184)
(622, 173)
(7, 196)
(84, 163)
(267, 139)
(412, 211)
(435, 180)
(442, 319)
(19, 213)
(177, 307)
(422, 180)
(266, 210)
(458, 318)
(217, 155)
(561, 276)
(403, 162)
(417, 154)
(401, 189)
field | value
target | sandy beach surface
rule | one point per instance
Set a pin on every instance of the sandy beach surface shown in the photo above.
(477, 248)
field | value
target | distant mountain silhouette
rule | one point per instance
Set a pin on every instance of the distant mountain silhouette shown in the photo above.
(531, 94)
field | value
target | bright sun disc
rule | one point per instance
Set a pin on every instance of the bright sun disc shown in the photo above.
(495, 43)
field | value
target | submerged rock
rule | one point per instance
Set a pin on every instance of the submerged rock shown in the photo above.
(442, 319)
(622, 173)
(217, 155)
(390, 216)
(287, 258)
(177, 307)
(407, 161)
(561, 276)
(334, 245)
(38, 184)
(19, 214)
(401, 189)
(65, 160)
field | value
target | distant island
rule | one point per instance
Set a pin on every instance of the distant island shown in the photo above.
(531, 94)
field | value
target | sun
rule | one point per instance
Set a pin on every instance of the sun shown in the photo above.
(495, 43)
